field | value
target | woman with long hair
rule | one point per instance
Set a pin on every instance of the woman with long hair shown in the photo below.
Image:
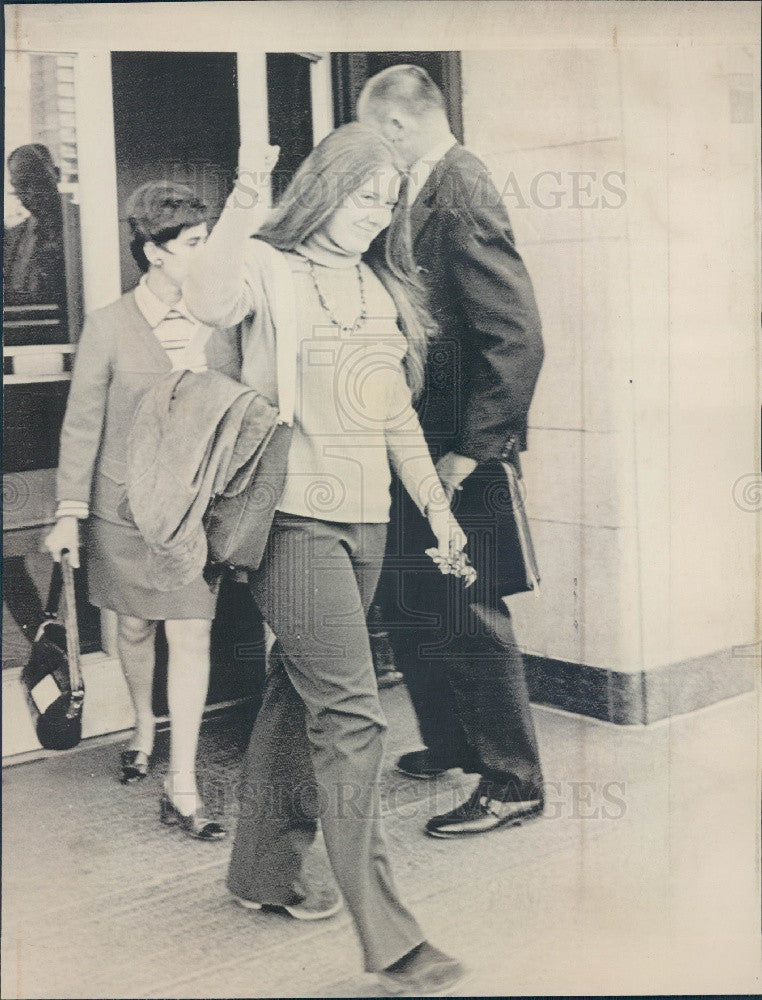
(124, 349)
(316, 749)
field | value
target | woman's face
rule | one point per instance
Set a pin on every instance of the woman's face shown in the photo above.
(366, 212)
(174, 256)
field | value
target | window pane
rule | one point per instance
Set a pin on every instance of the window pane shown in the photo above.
(42, 253)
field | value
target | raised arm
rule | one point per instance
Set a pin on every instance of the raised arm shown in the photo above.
(218, 291)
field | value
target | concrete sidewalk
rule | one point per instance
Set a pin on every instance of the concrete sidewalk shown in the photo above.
(641, 878)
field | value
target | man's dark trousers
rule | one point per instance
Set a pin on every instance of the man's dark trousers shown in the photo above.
(464, 672)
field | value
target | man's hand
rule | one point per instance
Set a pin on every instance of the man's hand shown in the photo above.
(452, 469)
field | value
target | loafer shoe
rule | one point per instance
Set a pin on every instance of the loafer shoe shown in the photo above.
(195, 825)
(422, 764)
(423, 972)
(134, 765)
(318, 905)
(481, 813)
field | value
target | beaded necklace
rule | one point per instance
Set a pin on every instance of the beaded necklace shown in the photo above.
(359, 321)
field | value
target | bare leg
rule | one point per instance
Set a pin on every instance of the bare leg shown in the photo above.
(135, 642)
(187, 686)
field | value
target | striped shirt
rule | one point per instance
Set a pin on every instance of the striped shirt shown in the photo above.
(182, 337)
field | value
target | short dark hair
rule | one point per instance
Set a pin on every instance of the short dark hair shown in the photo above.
(35, 157)
(406, 85)
(158, 212)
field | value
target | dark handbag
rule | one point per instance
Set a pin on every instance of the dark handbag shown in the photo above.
(522, 571)
(55, 653)
(492, 501)
(238, 526)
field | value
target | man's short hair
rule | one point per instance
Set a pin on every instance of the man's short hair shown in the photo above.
(408, 87)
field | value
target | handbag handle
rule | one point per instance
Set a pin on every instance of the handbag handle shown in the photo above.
(54, 591)
(72, 630)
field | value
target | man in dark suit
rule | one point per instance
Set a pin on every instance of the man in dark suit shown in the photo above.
(456, 646)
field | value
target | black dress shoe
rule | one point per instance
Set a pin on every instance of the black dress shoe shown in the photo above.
(422, 764)
(134, 766)
(481, 813)
(195, 825)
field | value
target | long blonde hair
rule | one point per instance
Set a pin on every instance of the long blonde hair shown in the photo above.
(341, 163)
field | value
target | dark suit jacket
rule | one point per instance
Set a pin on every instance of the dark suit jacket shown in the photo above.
(481, 372)
(34, 271)
(484, 363)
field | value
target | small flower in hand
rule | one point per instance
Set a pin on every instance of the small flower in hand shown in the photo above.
(457, 565)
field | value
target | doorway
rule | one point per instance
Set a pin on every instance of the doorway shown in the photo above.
(175, 119)
(350, 70)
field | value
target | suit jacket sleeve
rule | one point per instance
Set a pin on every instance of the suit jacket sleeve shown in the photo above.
(502, 339)
(85, 414)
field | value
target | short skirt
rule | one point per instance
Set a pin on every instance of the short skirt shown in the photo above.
(118, 563)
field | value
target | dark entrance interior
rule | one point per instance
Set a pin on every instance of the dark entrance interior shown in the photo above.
(175, 119)
(289, 113)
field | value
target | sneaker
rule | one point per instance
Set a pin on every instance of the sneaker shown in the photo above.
(422, 764)
(319, 905)
(423, 972)
(481, 813)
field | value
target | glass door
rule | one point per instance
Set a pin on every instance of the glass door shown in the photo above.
(42, 316)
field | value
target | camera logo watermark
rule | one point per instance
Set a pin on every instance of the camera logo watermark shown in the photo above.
(747, 493)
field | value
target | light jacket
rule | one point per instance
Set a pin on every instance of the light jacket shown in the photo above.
(195, 435)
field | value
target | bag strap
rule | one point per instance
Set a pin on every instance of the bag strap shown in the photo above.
(72, 629)
(280, 291)
(54, 591)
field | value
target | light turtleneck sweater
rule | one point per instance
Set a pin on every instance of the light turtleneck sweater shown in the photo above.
(354, 412)
(321, 249)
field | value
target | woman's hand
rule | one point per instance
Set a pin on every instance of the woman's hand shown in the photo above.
(449, 556)
(256, 162)
(450, 536)
(257, 158)
(65, 536)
